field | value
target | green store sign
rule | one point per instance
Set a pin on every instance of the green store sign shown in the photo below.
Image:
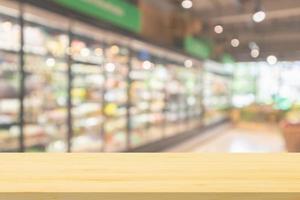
(118, 12)
(200, 48)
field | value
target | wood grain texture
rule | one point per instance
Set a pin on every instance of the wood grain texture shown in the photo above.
(150, 176)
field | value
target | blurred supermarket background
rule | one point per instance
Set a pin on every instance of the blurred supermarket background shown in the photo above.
(149, 75)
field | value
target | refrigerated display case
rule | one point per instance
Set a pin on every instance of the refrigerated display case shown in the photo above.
(194, 97)
(87, 93)
(9, 80)
(173, 101)
(184, 94)
(147, 94)
(116, 97)
(45, 68)
(157, 107)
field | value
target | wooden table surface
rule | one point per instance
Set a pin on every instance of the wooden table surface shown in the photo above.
(149, 176)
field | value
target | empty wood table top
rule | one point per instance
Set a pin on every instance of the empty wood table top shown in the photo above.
(149, 176)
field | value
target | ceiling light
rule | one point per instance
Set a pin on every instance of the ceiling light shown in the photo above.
(259, 16)
(255, 53)
(188, 63)
(219, 29)
(272, 60)
(187, 4)
(235, 42)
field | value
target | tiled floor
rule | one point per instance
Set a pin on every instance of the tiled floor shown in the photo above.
(236, 139)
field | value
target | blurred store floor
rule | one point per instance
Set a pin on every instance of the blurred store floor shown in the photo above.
(243, 138)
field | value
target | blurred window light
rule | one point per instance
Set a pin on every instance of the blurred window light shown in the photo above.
(219, 29)
(235, 42)
(259, 16)
(187, 4)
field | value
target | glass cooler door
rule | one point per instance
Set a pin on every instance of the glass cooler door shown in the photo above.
(46, 82)
(9, 79)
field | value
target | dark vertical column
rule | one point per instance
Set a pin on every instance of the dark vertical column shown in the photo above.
(22, 78)
(129, 102)
(69, 102)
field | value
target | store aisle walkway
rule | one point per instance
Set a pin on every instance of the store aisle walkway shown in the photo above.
(238, 139)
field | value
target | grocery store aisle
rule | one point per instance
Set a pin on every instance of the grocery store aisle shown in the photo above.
(243, 138)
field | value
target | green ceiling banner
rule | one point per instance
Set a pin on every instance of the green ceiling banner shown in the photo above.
(200, 48)
(118, 12)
